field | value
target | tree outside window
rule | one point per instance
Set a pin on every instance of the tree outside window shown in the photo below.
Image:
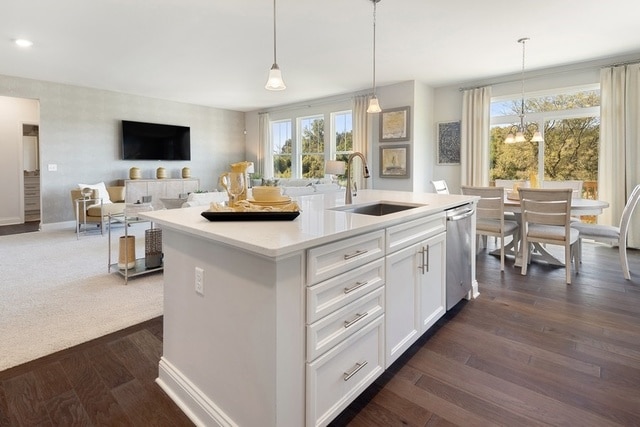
(282, 148)
(570, 124)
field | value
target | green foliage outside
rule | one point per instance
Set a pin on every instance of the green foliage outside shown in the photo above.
(571, 145)
(313, 150)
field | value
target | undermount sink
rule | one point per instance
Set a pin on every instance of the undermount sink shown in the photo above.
(376, 209)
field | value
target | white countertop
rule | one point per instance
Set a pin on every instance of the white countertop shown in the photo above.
(315, 225)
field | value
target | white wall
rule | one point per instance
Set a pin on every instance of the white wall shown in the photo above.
(80, 133)
(14, 112)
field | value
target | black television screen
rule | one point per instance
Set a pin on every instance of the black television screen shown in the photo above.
(152, 141)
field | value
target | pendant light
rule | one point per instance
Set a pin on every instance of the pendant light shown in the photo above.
(520, 129)
(374, 106)
(275, 82)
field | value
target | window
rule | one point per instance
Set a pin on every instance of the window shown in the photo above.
(300, 151)
(282, 148)
(570, 125)
(312, 146)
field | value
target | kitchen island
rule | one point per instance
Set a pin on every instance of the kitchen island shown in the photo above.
(284, 323)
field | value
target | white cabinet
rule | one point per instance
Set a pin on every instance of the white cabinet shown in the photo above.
(415, 284)
(135, 189)
(345, 323)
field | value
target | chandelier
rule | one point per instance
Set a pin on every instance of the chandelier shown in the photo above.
(520, 129)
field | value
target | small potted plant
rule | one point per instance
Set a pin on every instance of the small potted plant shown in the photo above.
(256, 179)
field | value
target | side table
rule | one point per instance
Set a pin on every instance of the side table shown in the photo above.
(140, 267)
(85, 203)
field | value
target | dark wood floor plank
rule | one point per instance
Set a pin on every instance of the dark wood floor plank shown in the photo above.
(111, 371)
(134, 359)
(25, 404)
(496, 391)
(67, 410)
(96, 398)
(51, 380)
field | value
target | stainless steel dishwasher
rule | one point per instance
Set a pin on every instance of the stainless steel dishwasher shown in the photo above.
(458, 253)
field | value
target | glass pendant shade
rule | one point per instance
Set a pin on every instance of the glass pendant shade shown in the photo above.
(510, 139)
(520, 137)
(275, 82)
(537, 137)
(374, 106)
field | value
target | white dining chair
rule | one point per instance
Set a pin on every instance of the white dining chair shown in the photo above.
(490, 216)
(440, 186)
(611, 234)
(546, 219)
(574, 185)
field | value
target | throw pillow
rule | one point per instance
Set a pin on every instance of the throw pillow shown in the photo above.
(102, 191)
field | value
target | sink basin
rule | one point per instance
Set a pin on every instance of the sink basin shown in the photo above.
(377, 209)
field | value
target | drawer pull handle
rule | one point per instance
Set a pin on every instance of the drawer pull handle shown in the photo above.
(348, 375)
(424, 253)
(354, 287)
(348, 323)
(355, 254)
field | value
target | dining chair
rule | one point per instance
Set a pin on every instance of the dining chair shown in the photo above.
(440, 186)
(490, 220)
(546, 219)
(574, 185)
(611, 234)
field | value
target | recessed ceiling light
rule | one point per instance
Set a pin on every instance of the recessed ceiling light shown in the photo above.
(24, 43)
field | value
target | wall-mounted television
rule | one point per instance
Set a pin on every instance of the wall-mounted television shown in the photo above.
(153, 141)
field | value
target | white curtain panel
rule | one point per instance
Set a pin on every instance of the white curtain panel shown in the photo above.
(361, 134)
(618, 171)
(265, 153)
(474, 140)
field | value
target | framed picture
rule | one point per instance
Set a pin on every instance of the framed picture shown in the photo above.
(394, 161)
(394, 125)
(448, 143)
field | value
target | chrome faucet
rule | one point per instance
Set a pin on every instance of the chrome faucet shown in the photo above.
(365, 173)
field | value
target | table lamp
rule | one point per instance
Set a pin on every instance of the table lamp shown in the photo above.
(333, 168)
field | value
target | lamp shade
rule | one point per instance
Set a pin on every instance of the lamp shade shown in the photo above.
(334, 167)
(374, 106)
(275, 82)
(250, 167)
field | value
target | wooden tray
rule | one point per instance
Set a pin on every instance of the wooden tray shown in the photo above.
(250, 216)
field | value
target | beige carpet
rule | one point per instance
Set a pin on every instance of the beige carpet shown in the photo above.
(55, 292)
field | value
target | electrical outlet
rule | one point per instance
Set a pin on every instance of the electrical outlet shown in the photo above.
(199, 281)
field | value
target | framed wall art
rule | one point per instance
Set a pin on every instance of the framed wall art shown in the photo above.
(394, 124)
(394, 161)
(448, 143)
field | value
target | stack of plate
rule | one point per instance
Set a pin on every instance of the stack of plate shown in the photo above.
(280, 201)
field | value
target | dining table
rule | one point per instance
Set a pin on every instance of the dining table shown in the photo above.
(579, 207)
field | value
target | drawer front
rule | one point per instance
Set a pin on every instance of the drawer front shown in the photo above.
(404, 235)
(337, 377)
(336, 327)
(330, 295)
(330, 260)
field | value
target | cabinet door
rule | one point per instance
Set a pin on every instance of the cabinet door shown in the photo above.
(432, 281)
(402, 319)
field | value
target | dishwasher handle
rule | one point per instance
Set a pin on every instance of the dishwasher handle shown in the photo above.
(459, 214)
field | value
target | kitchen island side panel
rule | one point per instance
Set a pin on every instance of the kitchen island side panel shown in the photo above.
(240, 346)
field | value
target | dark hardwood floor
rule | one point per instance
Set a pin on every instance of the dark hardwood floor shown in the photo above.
(26, 227)
(529, 351)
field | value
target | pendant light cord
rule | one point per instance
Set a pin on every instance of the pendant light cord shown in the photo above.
(523, 41)
(375, 2)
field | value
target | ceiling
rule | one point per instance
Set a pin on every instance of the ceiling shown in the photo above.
(218, 52)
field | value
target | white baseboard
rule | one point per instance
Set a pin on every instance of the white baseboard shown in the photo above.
(189, 398)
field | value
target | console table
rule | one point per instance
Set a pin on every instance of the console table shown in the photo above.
(135, 189)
